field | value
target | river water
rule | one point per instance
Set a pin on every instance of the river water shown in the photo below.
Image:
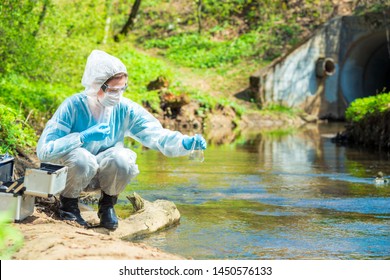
(275, 195)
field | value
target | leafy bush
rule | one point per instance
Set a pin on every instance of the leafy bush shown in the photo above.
(14, 131)
(68, 34)
(363, 107)
(11, 239)
(32, 98)
(202, 51)
(18, 49)
(24, 108)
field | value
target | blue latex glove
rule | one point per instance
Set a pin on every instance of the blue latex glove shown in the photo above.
(200, 143)
(95, 133)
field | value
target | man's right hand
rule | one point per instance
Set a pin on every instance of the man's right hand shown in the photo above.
(95, 133)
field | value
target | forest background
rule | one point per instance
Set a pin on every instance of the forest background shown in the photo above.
(44, 45)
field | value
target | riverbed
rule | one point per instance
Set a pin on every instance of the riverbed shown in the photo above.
(289, 194)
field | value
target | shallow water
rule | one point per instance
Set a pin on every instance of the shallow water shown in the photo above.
(272, 196)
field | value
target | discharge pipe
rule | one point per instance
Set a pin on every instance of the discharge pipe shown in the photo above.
(325, 67)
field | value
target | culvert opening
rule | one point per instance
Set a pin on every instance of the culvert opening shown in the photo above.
(366, 68)
(329, 67)
(325, 67)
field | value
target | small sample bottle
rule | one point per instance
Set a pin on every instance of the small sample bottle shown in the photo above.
(196, 155)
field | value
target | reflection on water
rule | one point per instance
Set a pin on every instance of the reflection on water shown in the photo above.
(272, 196)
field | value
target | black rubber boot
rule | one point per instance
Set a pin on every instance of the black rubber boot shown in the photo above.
(106, 212)
(69, 210)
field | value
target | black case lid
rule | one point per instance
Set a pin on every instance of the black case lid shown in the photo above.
(6, 168)
(50, 168)
(5, 159)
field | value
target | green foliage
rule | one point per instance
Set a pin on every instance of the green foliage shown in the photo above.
(142, 69)
(255, 14)
(49, 40)
(232, 31)
(202, 51)
(18, 52)
(24, 105)
(11, 239)
(364, 107)
(280, 109)
(68, 34)
(209, 102)
(32, 98)
(44, 45)
(194, 50)
(14, 131)
(371, 6)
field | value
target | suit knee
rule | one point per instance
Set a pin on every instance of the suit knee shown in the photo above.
(82, 163)
(121, 162)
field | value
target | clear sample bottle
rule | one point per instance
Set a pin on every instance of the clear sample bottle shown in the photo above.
(196, 155)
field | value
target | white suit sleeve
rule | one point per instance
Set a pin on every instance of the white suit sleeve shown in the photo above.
(56, 139)
(148, 130)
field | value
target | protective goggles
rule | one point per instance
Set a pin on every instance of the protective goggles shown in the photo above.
(113, 90)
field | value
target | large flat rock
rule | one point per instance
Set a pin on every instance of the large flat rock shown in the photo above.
(155, 216)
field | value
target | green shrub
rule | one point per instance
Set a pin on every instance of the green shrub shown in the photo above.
(14, 131)
(18, 49)
(31, 97)
(363, 107)
(201, 51)
(11, 239)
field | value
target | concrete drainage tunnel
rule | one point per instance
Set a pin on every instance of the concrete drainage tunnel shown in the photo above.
(365, 70)
(348, 58)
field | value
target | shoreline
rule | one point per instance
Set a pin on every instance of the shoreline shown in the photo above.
(46, 238)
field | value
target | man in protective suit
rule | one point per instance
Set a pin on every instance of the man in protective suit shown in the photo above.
(86, 134)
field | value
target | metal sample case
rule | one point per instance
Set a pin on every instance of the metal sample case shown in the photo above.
(13, 200)
(46, 181)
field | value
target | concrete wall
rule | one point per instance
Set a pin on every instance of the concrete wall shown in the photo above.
(358, 65)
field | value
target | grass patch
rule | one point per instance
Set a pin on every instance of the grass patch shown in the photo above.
(201, 51)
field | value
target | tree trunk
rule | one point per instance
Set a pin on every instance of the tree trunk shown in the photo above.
(108, 21)
(199, 15)
(130, 21)
(41, 17)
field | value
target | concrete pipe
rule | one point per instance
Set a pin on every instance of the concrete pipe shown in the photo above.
(366, 67)
(325, 67)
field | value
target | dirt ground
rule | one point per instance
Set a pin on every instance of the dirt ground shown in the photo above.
(46, 238)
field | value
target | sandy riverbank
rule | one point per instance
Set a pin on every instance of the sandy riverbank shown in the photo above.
(46, 238)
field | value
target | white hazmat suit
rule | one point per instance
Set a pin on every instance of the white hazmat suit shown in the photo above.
(104, 164)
